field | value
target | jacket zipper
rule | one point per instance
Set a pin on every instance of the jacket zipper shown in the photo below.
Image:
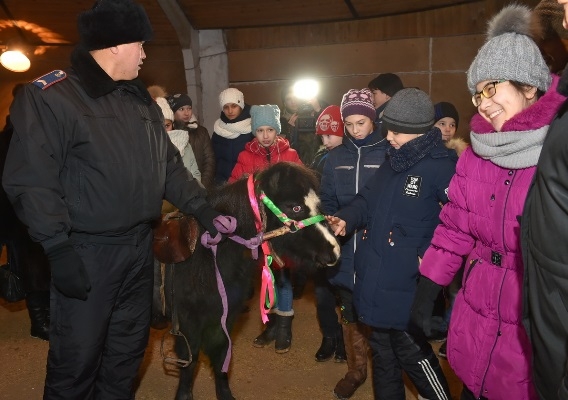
(500, 290)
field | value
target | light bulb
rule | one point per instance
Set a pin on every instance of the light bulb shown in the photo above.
(15, 61)
(306, 89)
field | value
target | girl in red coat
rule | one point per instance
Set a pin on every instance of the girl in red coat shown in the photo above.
(267, 147)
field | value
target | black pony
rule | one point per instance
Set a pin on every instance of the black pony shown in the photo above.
(198, 303)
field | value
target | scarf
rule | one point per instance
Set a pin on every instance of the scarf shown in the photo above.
(415, 150)
(179, 138)
(514, 150)
(231, 129)
(192, 124)
(519, 143)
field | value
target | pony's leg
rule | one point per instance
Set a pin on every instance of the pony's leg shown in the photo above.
(187, 374)
(215, 345)
(159, 320)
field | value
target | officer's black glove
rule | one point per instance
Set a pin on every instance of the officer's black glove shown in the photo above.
(68, 271)
(421, 312)
(205, 215)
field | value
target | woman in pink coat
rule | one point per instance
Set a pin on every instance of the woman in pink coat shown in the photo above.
(516, 99)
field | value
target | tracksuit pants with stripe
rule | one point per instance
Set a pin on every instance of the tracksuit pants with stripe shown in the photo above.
(395, 351)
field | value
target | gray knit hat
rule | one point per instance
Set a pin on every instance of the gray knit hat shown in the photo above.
(509, 52)
(409, 111)
(265, 115)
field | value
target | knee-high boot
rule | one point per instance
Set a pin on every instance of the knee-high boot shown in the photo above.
(356, 348)
(37, 303)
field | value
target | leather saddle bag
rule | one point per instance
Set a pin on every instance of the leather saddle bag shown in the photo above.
(175, 237)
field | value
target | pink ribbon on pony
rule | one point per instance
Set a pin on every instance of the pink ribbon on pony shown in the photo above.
(267, 285)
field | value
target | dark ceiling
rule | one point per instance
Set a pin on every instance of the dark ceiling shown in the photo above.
(53, 22)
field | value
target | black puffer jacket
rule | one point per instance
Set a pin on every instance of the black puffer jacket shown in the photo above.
(545, 256)
(91, 155)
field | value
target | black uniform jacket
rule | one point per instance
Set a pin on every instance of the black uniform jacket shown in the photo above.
(91, 155)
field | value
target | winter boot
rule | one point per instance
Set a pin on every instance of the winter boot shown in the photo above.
(327, 349)
(269, 334)
(340, 356)
(284, 333)
(38, 310)
(356, 349)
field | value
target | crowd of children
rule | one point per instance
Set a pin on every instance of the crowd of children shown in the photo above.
(419, 212)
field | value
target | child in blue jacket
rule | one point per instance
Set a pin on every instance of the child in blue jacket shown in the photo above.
(399, 208)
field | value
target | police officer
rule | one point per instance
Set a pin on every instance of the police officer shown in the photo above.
(87, 169)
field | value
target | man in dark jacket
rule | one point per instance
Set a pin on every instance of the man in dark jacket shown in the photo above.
(544, 237)
(87, 169)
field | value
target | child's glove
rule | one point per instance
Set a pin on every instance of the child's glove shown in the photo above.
(423, 305)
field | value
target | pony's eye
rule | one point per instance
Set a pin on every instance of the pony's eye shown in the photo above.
(297, 209)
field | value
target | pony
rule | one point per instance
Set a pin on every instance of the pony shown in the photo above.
(196, 299)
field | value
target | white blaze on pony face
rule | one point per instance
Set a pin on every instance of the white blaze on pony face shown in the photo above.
(312, 201)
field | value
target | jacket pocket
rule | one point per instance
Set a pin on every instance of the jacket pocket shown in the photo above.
(411, 233)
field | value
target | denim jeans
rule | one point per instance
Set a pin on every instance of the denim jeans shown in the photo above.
(284, 291)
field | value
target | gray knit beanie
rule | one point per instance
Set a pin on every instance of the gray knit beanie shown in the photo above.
(409, 111)
(265, 115)
(509, 52)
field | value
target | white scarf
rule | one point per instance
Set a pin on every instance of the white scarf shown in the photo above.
(179, 138)
(233, 129)
(192, 124)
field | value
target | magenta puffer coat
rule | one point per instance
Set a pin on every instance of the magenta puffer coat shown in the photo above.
(488, 348)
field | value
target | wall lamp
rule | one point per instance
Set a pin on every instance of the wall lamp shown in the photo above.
(14, 59)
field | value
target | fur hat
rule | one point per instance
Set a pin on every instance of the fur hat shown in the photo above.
(409, 111)
(358, 102)
(548, 15)
(166, 110)
(113, 22)
(231, 96)
(388, 83)
(178, 100)
(509, 53)
(329, 122)
(265, 115)
(444, 109)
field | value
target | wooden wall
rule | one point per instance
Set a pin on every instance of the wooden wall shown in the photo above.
(431, 50)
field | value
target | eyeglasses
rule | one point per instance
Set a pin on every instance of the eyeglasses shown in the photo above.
(488, 91)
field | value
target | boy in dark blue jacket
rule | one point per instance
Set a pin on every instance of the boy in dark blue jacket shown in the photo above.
(399, 208)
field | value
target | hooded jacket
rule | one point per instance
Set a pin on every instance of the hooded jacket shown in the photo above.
(91, 155)
(399, 210)
(488, 347)
(255, 157)
(347, 169)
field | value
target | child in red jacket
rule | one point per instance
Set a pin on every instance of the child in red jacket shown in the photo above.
(267, 147)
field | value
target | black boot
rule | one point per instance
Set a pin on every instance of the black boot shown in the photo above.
(283, 334)
(327, 349)
(269, 333)
(38, 309)
(340, 355)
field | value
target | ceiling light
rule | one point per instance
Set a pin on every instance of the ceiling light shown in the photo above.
(15, 60)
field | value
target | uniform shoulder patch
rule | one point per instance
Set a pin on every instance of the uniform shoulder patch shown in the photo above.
(45, 81)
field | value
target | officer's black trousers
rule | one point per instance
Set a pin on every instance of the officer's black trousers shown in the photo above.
(96, 346)
(395, 351)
